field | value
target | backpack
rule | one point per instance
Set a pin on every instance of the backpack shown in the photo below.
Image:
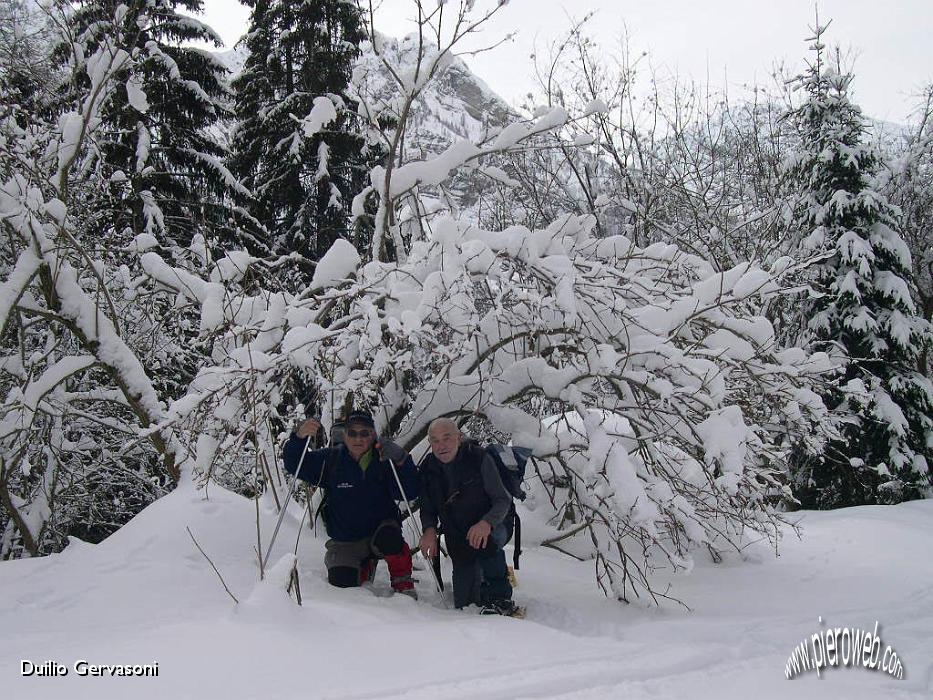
(511, 463)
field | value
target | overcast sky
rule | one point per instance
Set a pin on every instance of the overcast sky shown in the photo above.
(733, 42)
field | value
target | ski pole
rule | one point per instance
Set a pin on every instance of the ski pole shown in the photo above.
(288, 498)
(418, 531)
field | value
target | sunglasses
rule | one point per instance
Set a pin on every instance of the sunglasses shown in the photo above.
(359, 433)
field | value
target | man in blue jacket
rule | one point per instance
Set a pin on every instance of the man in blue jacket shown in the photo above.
(360, 512)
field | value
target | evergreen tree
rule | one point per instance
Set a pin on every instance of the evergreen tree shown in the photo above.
(161, 153)
(302, 186)
(864, 309)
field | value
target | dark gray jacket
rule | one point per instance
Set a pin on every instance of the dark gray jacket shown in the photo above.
(458, 499)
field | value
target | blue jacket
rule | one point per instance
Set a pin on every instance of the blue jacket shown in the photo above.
(357, 501)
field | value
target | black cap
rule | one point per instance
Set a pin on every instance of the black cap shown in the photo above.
(361, 417)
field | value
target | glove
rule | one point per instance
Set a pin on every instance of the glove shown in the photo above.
(393, 451)
(311, 426)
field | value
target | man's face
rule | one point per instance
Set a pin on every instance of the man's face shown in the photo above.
(358, 437)
(444, 441)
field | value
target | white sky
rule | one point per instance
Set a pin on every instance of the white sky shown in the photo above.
(730, 41)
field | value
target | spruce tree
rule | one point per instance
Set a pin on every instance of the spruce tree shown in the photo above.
(302, 187)
(162, 154)
(864, 308)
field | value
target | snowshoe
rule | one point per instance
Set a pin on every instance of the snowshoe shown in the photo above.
(506, 608)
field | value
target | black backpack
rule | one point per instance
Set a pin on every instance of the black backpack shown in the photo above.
(511, 462)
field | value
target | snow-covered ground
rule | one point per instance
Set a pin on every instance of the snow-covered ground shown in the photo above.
(146, 595)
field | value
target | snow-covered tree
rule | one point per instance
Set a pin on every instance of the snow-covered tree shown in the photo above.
(649, 386)
(301, 183)
(864, 307)
(911, 188)
(80, 446)
(161, 154)
(670, 160)
(645, 381)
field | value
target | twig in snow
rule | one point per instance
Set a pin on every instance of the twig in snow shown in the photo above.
(229, 593)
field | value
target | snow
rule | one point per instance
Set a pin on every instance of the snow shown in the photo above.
(12, 288)
(884, 237)
(725, 437)
(499, 175)
(337, 264)
(555, 117)
(110, 347)
(752, 282)
(232, 267)
(433, 171)
(177, 278)
(143, 242)
(221, 169)
(895, 287)
(322, 113)
(595, 107)
(143, 146)
(136, 96)
(57, 210)
(53, 376)
(889, 413)
(146, 595)
(71, 125)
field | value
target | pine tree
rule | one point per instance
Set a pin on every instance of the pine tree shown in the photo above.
(162, 154)
(302, 187)
(864, 308)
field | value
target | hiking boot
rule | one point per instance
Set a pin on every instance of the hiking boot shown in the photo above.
(405, 586)
(506, 608)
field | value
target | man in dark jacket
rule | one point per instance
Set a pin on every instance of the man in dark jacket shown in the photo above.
(462, 491)
(361, 514)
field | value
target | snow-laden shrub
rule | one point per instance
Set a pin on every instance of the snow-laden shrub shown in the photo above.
(651, 390)
(652, 394)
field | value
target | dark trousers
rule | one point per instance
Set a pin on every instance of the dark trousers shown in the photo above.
(480, 576)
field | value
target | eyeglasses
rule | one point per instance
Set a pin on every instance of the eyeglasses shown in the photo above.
(359, 433)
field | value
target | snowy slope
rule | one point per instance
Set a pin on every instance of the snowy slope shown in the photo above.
(456, 105)
(146, 595)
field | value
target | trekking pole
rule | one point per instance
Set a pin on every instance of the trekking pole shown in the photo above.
(288, 498)
(401, 490)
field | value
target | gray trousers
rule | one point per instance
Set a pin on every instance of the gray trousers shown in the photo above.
(352, 554)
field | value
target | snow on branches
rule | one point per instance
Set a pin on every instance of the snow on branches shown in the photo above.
(644, 381)
(651, 390)
(81, 449)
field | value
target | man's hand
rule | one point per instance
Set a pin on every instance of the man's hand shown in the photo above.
(391, 450)
(479, 534)
(309, 427)
(428, 543)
